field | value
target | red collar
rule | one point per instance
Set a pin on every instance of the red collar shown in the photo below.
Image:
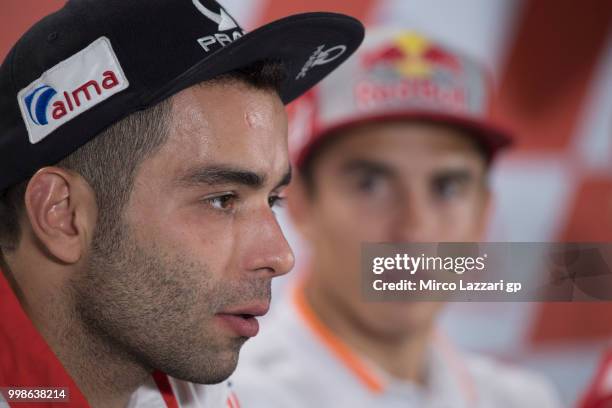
(599, 394)
(26, 360)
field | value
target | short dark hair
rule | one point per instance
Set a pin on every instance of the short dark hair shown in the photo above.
(110, 160)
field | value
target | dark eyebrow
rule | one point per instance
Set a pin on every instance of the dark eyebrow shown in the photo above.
(363, 165)
(223, 175)
(462, 175)
(285, 180)
(218, 175)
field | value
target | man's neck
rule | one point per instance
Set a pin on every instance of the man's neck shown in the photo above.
(403, 359)
(106, 376)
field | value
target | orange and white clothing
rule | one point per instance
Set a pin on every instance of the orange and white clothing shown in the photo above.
(174, 393)
(26, 360)
(297, 362)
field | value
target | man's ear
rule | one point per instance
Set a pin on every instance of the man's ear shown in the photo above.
(62, 213)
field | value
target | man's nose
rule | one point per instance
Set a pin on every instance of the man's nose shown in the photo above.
(269, 247)
(413, 220)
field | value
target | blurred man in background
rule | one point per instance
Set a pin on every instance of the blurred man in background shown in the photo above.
(395, 147)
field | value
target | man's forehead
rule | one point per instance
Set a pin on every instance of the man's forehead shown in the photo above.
(384, 165)
(230, 119)
(228, 95)
(410, 133)
(203, 135)
(403, 155)
(227, 107)
(405, 148)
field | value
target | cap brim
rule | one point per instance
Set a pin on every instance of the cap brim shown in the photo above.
(292, 40)
(492, 137)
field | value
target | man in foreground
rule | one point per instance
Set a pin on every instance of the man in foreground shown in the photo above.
(143, 146)
(397, 149)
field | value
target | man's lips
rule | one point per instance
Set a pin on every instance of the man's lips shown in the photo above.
(256, 309)
(242, 320)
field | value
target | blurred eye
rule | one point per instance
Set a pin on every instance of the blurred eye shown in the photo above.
(276, 201)
(370, 183)
(448, 187)
(225, 202)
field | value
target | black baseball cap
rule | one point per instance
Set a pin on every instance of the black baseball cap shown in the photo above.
(94, 62)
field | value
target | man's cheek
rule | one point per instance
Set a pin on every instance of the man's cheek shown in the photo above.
(196, 231)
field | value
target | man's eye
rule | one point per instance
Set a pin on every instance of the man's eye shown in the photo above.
(366, 184)
(370, 183)
(223, 202)
(276, 201)
(448, 188)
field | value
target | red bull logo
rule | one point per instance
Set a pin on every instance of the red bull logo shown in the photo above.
(413, 56)
(414, 71)
(425, 94)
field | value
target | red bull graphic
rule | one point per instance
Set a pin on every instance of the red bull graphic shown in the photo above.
(371, 95)
(413, 56)
(411, 68)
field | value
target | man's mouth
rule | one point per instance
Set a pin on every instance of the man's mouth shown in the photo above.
(243, 320)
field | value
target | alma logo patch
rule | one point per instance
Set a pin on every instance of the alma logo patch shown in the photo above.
(70, 88)
(37, 102)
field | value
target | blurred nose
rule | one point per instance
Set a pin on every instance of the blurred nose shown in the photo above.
(413, 220)
(269, 249)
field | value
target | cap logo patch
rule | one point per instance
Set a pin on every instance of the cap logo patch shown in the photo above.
(223, 19)
(411, 69)
(321, 56)
(70, 88)
(413, 56)
(225, 22)
(37, 102)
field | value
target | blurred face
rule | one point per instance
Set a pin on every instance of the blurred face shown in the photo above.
(392, 181)
(176, 282)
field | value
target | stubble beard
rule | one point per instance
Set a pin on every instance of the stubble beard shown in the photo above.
(154, 309)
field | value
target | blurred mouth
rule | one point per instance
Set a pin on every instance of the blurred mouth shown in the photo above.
(243, 320)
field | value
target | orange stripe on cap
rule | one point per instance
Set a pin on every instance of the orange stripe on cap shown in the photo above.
(334, 344)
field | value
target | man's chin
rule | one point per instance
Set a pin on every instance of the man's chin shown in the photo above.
(219, 376)
(212, 370)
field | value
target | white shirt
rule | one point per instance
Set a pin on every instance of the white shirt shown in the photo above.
(186, 395)
(297, 362)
